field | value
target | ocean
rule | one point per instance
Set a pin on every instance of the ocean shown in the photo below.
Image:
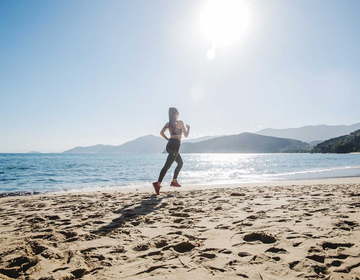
(42, 173)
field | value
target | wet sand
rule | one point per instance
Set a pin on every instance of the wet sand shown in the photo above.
(278, 230)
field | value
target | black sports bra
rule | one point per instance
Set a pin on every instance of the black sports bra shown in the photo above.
(174, 131)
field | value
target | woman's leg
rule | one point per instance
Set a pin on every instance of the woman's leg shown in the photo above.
(179, 162)
(169, 161)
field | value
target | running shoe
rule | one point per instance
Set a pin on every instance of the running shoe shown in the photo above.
(156, 187)
(175, 184)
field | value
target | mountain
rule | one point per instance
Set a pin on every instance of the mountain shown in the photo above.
(314, 143)
(142, 145)
(87, 150)
(343, 144)
(241, 143)
(245, 143)
(311, 132)
(195, 140)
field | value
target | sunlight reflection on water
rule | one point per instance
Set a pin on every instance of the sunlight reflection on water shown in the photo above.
(59, 172)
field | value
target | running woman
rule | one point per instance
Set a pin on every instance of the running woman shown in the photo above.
(176, 129)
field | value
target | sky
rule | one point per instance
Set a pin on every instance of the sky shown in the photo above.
(81, 73)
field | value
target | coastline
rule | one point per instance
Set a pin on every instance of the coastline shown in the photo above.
(107, 172)
(342, 177)
(263, 230)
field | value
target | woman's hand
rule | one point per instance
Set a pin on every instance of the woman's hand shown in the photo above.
(187, 130)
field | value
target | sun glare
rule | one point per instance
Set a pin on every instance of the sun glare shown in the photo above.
(211, 53)
(223, 22)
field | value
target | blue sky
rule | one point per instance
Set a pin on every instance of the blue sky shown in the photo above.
(80, 73)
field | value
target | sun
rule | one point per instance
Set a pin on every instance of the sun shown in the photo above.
(224, 22)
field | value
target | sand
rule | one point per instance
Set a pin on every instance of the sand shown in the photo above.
(279, 230)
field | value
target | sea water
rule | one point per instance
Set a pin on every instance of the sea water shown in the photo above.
(38, 173)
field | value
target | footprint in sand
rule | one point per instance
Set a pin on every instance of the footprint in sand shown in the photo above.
(308, 266)
(180, 214)
(16, 267)
(253, 217)
(222, 226)
(331, 245)
(184, 247)
(237, 194)
(339, 256)
(160, 241)
(68, 234)
(317, 258)
(225, 251)
(335, 263)
(261, 236)
(346, 225)
(207, 255)
(118, 250)
(80, 272)
(276, 250)
(142, 246)
(37, 247)
(244, 254)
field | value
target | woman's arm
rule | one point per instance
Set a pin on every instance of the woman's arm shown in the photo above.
(186, 130)
(162, 132)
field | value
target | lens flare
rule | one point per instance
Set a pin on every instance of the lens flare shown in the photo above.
(211, 54)
(224, 23)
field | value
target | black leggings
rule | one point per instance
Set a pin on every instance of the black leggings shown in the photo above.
(172, 148)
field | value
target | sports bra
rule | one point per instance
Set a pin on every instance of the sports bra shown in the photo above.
(174, 131)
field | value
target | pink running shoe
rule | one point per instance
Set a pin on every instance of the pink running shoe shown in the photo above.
(156, 187)
(175, 184)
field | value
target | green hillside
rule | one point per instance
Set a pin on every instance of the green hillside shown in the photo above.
(340, 145)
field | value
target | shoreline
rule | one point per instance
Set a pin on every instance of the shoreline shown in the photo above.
(24, 180)
(205, 186)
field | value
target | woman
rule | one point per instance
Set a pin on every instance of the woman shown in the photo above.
(176, 129)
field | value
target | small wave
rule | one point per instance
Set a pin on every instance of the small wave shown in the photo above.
(10, 167)
(7, 179)
(315, 171)
(46, 180)
(16, 193)
(114, 187)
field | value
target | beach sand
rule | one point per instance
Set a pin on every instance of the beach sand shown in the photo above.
(278, 230)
